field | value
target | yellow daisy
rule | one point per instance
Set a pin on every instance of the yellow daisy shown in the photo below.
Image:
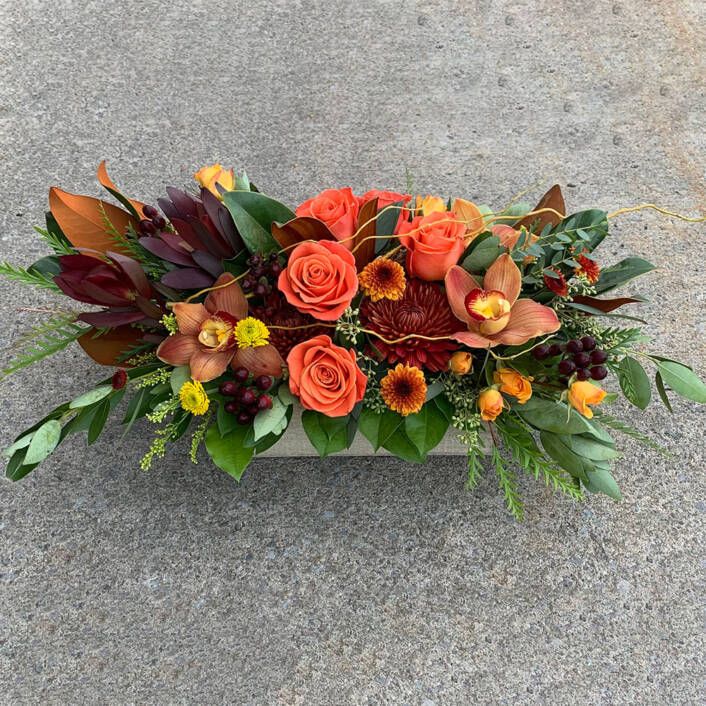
(193, 397)
(251, 333)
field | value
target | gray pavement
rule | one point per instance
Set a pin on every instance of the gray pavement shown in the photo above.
(355, 581)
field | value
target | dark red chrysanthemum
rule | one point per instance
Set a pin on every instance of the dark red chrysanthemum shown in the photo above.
(278, 312)
(557, 284)
(424, 310)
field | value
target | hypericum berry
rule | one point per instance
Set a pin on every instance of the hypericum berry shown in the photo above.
(252, 410)
(264, 402)
(119, 379)
(566, 367)
(574, 346)
(255, 260)
(275, 269)
(598, 357)
(582, 360)
(246, 396)
(228, 388)
(269, 312)
(257, 272)
(589, 343)
(541, 352)
(274, 257)
(583, 374)
(231, 406)
(263, 382)
(159, 222)
(241, 374)
(150, 211)
(247, 283)
(260, 289)
(599, 372)
(147, 227)
(562, 380)
(243, 418)
(554, 350)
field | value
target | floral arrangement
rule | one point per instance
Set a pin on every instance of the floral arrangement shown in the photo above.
(398, 318)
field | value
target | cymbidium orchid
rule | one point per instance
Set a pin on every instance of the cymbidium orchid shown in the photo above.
(206, 340)
(493, 313)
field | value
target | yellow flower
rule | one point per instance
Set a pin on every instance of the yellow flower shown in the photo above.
(512, 383)
(461, 362)
(194, 398)
(490, 403)
(216, 174)
(582, 394)
(430, 204)
(382, 279)
(251, 333)
(404, 389)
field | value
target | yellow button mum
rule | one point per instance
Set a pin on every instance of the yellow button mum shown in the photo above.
(194, 398)
(251, 333)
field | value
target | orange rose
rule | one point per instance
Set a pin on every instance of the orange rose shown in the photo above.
(490, 403)
(325, 377)
(337, 208)
(385, 199)
(512, 383)
(320, 279)
(213, 175)
(582, 394)
(461, 363)
(434, 244)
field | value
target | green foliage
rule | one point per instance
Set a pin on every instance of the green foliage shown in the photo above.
(621, 273)
(483, 251)
(682, 380)
(618, 425)
(254, 214)
(378, 428)
(31, 277)
(426, 428)
(552, 416)
(228, 452)
(54, 237)
(328, 435)
(508, 484)
(634, 382)
(45, 340)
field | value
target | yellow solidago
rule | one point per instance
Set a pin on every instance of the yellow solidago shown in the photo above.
(251, 333)
(193, 397)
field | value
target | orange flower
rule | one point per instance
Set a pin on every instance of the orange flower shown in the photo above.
(490, 403)
(493, 313)
(404, 389)
(337, 208)
(556, 284)
(382, 279)
(320, 279)
(434, 244)
(582, 394)
(589, 268)
(216, 174)
(461, 362)
(325, 377)
(512, 383)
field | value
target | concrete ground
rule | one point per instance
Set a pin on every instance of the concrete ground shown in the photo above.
(355, 581)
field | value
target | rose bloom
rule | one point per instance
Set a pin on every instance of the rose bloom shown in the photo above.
(434, 244)
(385, 199)
(582, 394)
(490, 403)
(320, 279)
(325, 377)
(461, 363)
(209, 177)
(512, 383)
(337, 208)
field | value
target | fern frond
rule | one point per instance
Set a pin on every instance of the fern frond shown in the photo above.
(29, 277)
(43, 341)
(57, 244)
(508, 484)
(474, 469)
(626, 429)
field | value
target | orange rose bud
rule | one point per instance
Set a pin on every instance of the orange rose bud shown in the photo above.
(512, 383)
(461, 362)
(208, 177)
(582, 394)
(490, 403)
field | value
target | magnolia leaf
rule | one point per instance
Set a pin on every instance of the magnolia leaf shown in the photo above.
(621, 273)
(552, 199)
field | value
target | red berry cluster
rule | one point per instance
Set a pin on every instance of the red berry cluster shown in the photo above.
(153, 221)
(580, 356)
(246, 402)
(264, 272)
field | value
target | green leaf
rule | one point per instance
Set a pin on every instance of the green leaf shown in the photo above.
(285, 396)
(683, 381)
(601, 481)
(556, 446)
(659, 382)
(266, 422)
(16, 468)
(377, 428)
(138, 406)
(91, 397)
(401, 446)
(387, 220)
(226, 422)
(179, 376)
(634, 382)
(98, 422)
(552, 416)
(21, 443)
(43, 442)
(327, 435)
(254, 214)
(445, 407)
(228, 452)
(483, 255)
(621, 273)
(589, 448)
(426, 428)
